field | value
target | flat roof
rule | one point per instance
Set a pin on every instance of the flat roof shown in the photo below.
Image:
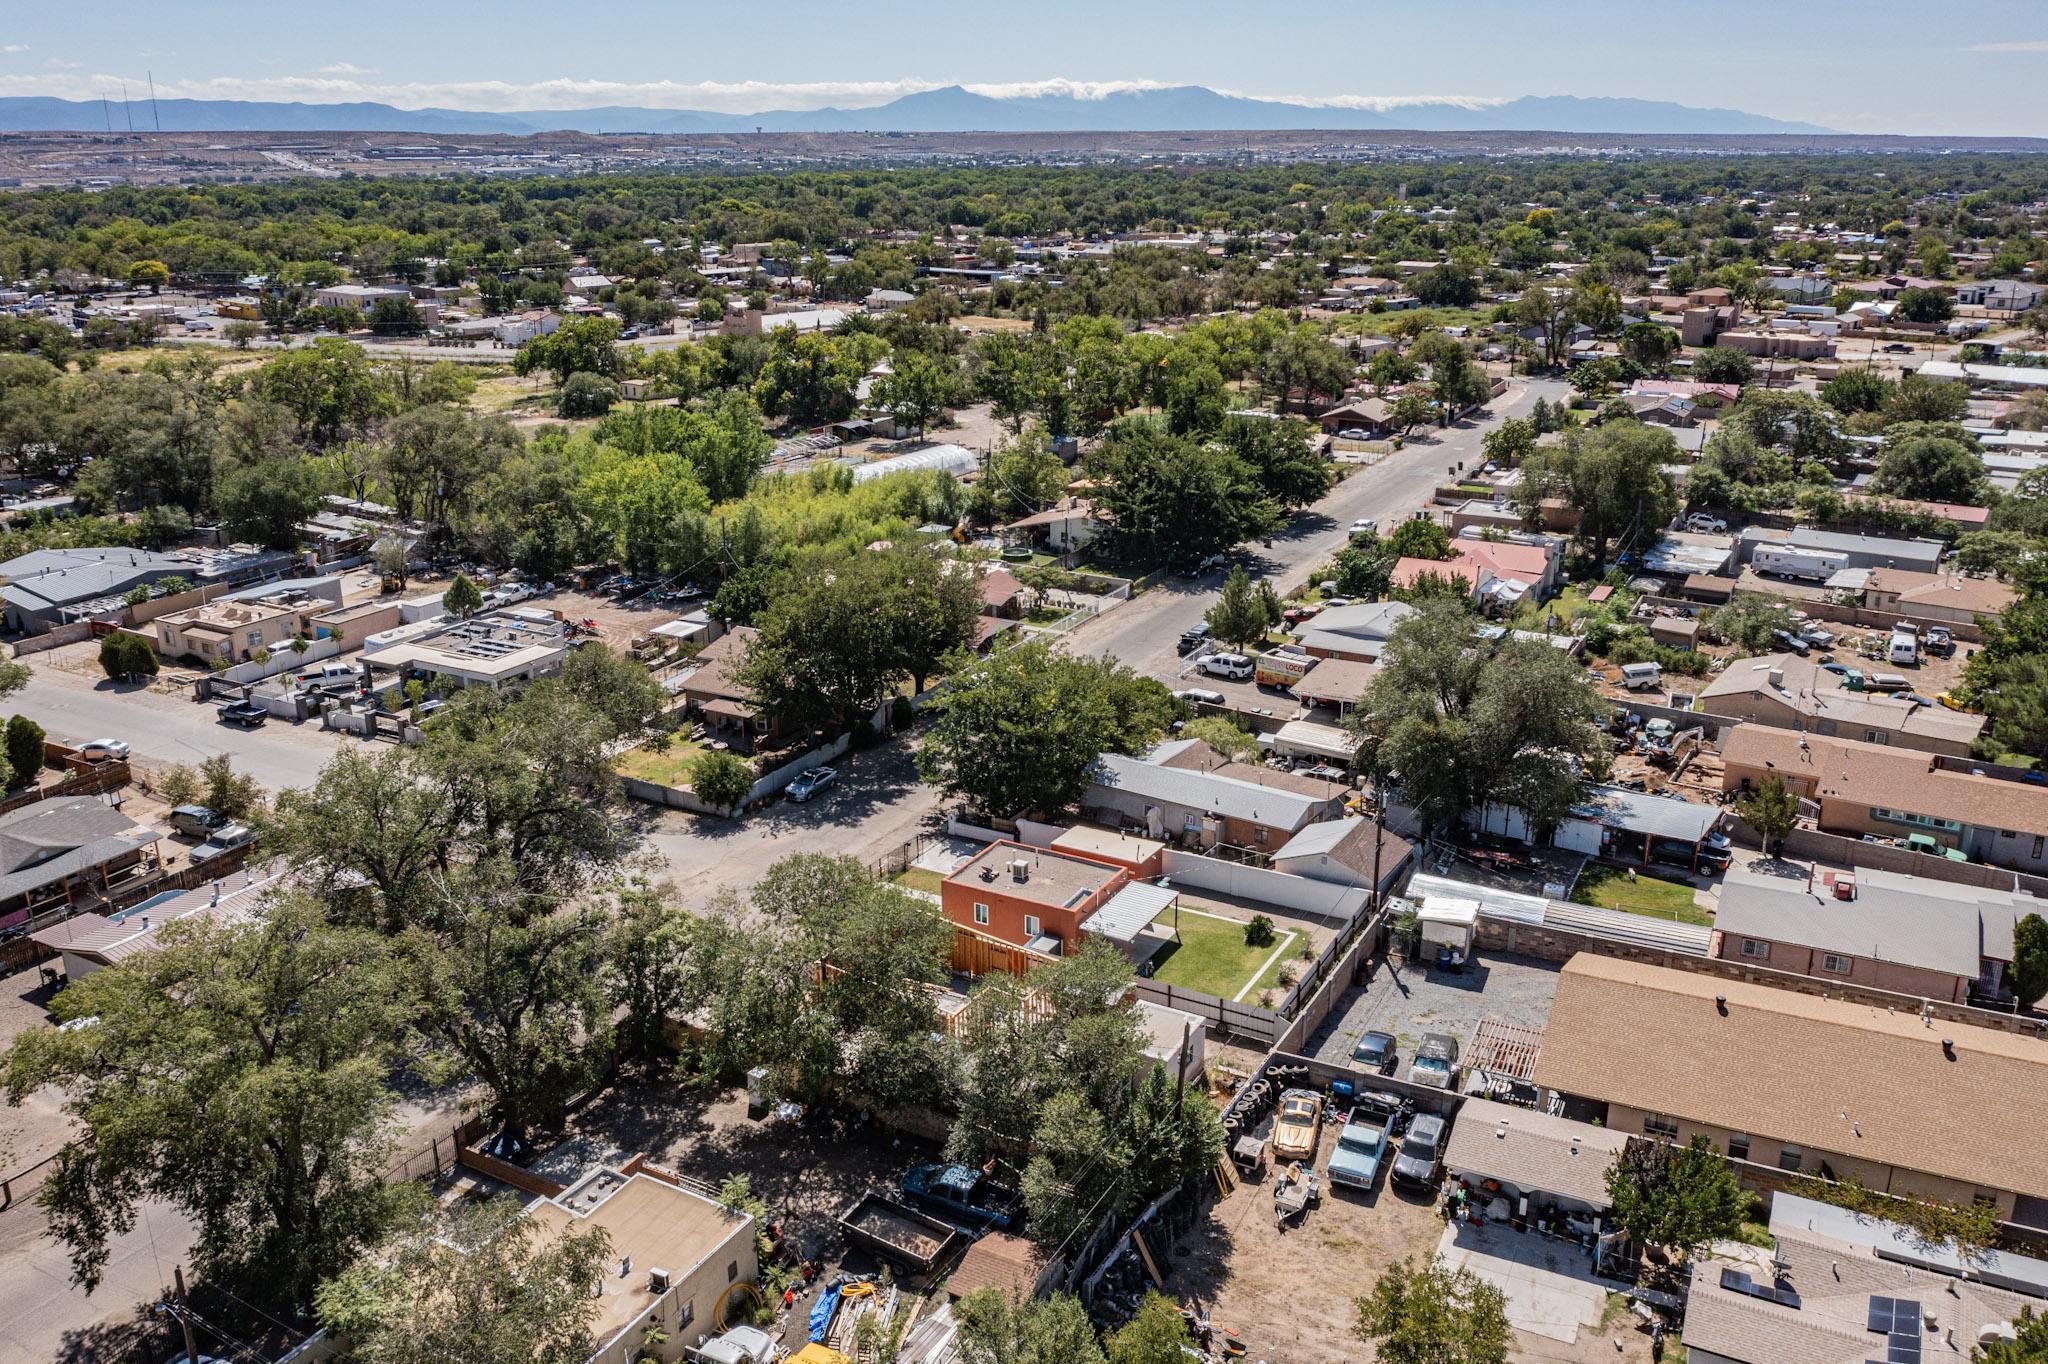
(1055, 879)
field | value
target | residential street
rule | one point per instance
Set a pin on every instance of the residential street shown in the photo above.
(1142, 632)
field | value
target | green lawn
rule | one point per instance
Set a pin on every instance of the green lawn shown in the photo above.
(1568, 605)
(1211, 955)
(1610, 888)
(920, 878)
(668, 767)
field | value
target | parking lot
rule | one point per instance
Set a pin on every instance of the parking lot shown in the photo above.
(1409, 1001)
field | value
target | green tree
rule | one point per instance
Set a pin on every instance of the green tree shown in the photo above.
(1410, 410)
(1749, 621)
(125, 657)
(2030, 958)
(1926, 305)
(1724, 365)
(1918, 399)
(329, 386)
(1221, 734)
(1390, 369)
(995, 1329)
(1419, 538)
(267, 500)
(241, 1074)
(1649, 345)
(151, 273)
(1240, 616)
(24, 750)
(1434, 1315)
(226, 791)
(1156, 1335)
(1772, 811)
(1280, 457)
(463, 598)
(917, 390)
(1613, 476)
(721, 780)
(481, 1280)
(1169, 500)
(584, 394)
(1856, 390)
(1928, 463)
(1675, 1197)
(586, 345)
(1017, 731)
(1458, 720)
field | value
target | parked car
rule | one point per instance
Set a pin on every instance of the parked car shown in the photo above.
(1199, 694)
(1236, 667)
(1353, 433)
(808, 784)
(1436, 1061)
(244, 713)
(1954, 702)
(1702, 524)
(1299, 1128)
(1940, 641)
(1355, 1160)
(225, 840)
(195, 821)
(963, 1194)
(1819, 636)
(1897, 348)
(1190, 640)
(1796, 643)
(1376, 1052)
(1295, 615)
(1422, 1153)
(1364, 524)
(103, 750)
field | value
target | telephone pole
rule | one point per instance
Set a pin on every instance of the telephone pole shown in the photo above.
(184, 1316)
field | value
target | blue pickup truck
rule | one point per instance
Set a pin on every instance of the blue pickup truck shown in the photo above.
(1361, 1146)
(963, 1194)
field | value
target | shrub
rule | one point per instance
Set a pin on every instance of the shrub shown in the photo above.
(1259, 932)
(721, 779)
(24, 748)
(124, 656)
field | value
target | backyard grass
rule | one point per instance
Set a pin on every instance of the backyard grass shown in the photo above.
(668, 767)
(920, 878)
(1568, 604)
(1211, 956)
(1652, 896)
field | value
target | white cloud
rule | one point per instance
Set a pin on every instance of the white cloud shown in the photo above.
(13, 47)
(60, 64)
(341, 82)
(2034, 45)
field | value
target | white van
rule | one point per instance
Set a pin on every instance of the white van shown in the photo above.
(1905, 648)
(1641, 676)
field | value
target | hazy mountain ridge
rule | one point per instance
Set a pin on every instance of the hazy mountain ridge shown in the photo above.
(950, 109)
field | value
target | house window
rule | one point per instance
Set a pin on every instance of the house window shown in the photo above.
(2007, 833)
(1830, 962)
(2038, 840)
(1031, 925)
(1874, 736)
(1790, 1157)
(1660, 1125)
(1761, 951)
(686, 1312)
(981, 914)
(732, 1270)
(1738, 1146)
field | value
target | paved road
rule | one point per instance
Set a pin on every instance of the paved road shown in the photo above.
(1142, 633)
(165, 728)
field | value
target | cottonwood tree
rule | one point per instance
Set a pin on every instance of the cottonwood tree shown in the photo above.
(995, 1329)
(1171, 500)
(1675, 1197)
(1612, 475)
(242, 1074)
(1017, 732)
(480, 1281)
(1459, 721)
(1433, 1314)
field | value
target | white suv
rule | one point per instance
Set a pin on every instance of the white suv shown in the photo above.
(1236, 667)
(1702, 524)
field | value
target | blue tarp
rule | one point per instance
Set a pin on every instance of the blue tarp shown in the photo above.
(821, 1315)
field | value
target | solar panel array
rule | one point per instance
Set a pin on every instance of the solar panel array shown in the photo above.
(1738, 1281)
(1898, 1321)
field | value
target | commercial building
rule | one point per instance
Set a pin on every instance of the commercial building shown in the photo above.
(504, 649)
(47, 587)
(1872, 789)
(1802, 1084)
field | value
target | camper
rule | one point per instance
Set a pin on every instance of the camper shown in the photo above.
(1641, 676)
(1811, 565)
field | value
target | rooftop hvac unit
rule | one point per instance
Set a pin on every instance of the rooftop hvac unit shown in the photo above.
(1020, 869)
(657, 1281)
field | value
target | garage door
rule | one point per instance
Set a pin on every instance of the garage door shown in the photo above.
(1579, 835)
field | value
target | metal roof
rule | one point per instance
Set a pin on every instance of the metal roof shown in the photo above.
(1129, 911)
(1639, 812)
(1205, 791)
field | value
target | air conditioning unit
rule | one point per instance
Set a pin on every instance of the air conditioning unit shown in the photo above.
(1020, 869)
(657, 1281)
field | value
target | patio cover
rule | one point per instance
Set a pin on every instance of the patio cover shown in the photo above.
(1128, 911)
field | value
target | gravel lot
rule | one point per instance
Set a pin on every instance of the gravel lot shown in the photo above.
(1409, 1001)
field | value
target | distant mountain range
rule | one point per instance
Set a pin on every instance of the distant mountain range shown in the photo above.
(1191, 108)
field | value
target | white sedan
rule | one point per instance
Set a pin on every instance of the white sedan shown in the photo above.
(102, 750)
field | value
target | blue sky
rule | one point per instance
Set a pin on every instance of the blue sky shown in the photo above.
(1873, 65)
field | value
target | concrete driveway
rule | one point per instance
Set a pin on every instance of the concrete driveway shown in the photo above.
(1549, 1284)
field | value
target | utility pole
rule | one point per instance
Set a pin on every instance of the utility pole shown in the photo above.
(151, 75)
(184, 1315)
